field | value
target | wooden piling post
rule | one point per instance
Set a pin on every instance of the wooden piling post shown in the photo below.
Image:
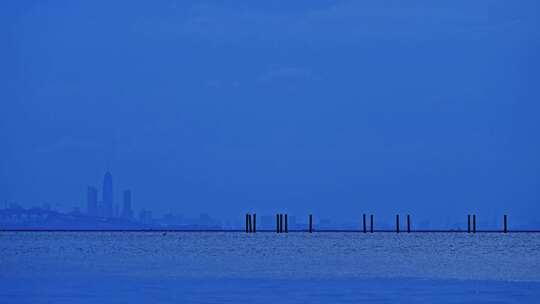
(310, 223)
(505, 224)
(364, 222)
(474, 223)
(397, 223)
(286, 223)
(468, 223)
(371, 224)
(280, 223)
(249, 221)
(254, 222)
(408, 223)
(247, 224)
(277, 223)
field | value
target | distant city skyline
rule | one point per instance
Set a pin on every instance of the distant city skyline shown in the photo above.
(14, 216)
(107, 208)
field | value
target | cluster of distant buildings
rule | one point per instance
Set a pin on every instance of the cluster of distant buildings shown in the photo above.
(101, 213)
(106, 206)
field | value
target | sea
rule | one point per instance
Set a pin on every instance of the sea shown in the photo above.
(266, 267)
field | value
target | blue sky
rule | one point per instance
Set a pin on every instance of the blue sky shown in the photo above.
(328, 107)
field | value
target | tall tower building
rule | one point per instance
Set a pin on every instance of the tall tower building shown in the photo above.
(108, 195)
(91, 201)
(127, 212)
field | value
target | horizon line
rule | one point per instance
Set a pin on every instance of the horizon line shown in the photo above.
(272, 231)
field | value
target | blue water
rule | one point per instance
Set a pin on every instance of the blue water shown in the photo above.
(142, 267)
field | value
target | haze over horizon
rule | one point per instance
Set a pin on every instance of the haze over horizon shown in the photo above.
(335, 108)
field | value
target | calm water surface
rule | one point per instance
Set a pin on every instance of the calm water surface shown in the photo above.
(87, 267)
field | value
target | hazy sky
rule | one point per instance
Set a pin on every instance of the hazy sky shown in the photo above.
(330, 107)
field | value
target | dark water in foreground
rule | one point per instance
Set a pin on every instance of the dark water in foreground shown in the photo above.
(143, 267)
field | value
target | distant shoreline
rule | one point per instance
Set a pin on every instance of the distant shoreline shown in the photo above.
(266, 231)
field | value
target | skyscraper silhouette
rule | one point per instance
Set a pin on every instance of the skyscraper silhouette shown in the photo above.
(127, 212)
(91, 201)
(108, 195)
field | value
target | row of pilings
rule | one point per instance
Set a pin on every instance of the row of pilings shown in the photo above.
(471, 228)
(282, 223)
